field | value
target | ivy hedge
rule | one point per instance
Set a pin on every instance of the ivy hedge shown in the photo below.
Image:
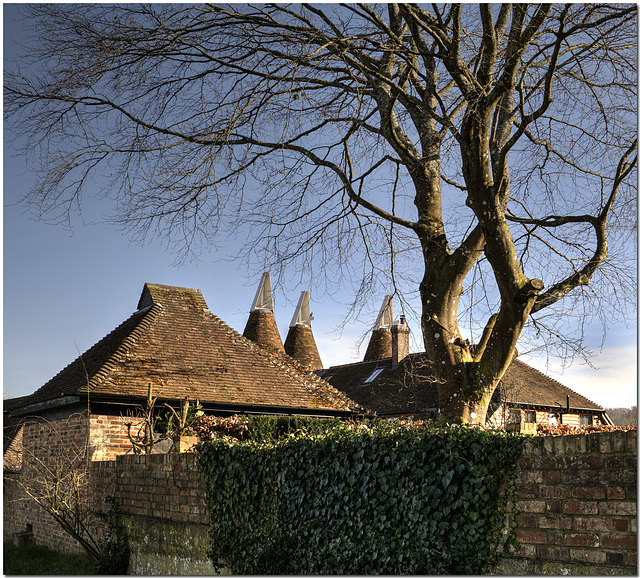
(368, 500)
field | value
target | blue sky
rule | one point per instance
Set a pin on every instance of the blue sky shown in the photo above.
(63, 292)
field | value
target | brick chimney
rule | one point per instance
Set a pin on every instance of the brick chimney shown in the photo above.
(380, 342)
(399, 341)
(300, 343)
(261, 326)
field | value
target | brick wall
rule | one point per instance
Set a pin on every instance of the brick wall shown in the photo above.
(12, 459)
(109, 436)
(163, 486)
(49, 448)
(577, 497)
(13, 512)
(59, 437)
(162, 500)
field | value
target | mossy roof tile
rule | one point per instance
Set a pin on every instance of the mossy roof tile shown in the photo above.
(175, 343)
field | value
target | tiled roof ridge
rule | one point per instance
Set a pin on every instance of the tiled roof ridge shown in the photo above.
(149, 315)
(163, 286)
(312, 381)
(558, 383)
(173, 289)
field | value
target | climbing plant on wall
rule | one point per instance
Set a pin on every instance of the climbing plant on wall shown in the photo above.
(366, 500)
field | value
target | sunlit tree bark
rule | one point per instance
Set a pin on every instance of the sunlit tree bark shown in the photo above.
(366, 139)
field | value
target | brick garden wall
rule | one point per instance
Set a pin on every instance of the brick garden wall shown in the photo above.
(53, 442)
(163, 502)
(577, 498)
(161, 486)
(41, 440)
(14, 514)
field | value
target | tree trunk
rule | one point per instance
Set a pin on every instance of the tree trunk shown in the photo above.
(440, 291)
(467, 375)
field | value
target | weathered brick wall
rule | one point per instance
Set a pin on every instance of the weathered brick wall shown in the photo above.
(12, 459)
(109, 436)
(577, 497)
(163, 486)
(14, 515)
(52, 443)
(163, 503)
(48, 440)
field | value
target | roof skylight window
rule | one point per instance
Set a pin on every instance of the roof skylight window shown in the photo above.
(375, 374)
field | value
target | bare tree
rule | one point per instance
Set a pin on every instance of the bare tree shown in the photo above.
(490, 146)
(55, 474)
(623, 415)
(141, 428)
(147, 427)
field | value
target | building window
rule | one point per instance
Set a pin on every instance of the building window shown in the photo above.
(375, 374)
(586, 420)
(530, 416)
(514, 416)
(553, 419)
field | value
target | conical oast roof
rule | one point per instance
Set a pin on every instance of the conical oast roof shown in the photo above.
(261, 326)
(300, 343)
(380, 342)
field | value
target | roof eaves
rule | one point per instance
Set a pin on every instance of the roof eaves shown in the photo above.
(112, 400)
(55, 403)
(13, 402)
(558, 408)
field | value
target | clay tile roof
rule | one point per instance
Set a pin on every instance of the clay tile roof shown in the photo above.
(94, 363)
(175, 343)
(405, 389)
(527, 385)
(408, 387)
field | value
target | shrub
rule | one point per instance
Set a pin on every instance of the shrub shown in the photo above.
(260, 428)
(370, 499)
(114, 551)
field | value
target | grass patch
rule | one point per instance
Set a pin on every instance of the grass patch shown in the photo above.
(38, 560)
